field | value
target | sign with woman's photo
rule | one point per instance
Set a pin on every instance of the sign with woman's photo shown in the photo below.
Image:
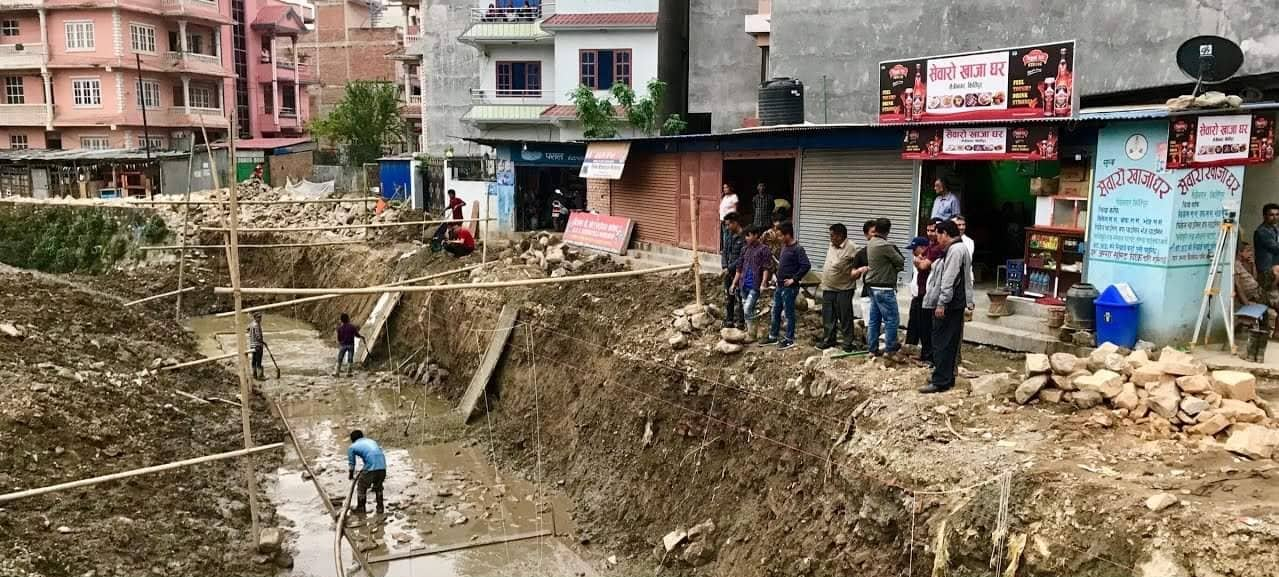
(1232, 139)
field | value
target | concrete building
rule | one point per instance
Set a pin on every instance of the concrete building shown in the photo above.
(344, 45)
(270, 70)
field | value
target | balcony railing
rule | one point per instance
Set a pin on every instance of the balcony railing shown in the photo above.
(195, 62)
(413, 100)
(497, 14)
(505, 25)
(23, 115)
(510, 96)
(20, 4)
(14, 56)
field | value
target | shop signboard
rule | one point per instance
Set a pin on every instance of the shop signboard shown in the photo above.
(600, 232)
(605, 160)
(1233, 139)
(1038, 142)
(1006, 84)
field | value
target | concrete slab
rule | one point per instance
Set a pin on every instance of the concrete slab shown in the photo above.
(479, 381)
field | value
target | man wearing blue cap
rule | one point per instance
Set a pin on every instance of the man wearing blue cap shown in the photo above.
(919, 327)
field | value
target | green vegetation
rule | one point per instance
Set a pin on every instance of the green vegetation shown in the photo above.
(366, 122)
(69, 239)
(599, 116)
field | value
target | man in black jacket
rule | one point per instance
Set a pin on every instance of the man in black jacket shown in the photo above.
(730, 259)
(1266, 243)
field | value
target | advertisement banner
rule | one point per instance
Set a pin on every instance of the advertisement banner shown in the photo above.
(981, 143)
(600, 232)
(605, 160)
(1015, 83)
(1234, 139)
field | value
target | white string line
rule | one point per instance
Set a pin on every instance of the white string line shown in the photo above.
(492, 450)
(537, 423)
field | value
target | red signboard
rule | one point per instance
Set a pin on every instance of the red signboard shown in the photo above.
(600, 232)
(1232, 139)
(1008, 84)
(1036, 142)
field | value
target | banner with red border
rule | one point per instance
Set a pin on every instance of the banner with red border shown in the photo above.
(980, 143)
(1225, 140)
(599, 231)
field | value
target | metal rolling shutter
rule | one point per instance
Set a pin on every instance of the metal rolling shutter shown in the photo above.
(852, 187)
(646, 194)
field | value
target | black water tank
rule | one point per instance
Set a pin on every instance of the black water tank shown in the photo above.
(781, 101)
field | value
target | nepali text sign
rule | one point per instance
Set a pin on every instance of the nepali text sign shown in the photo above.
(1009, 84)
(1233, 139)
(600, 232)
(981, 143)
(605, 160)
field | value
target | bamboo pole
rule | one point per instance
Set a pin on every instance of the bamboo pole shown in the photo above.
(136, 472)
(446, 287)
(276, 245)
(484, 252)
(163, 295)
(697, 261)
(186, 214)
(337, 226)
(197, 362)
(425, 551)
(193, 397)
(141, 203)
(246, 391)
(332, 296)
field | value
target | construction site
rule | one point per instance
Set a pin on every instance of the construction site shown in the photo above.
(547, 409)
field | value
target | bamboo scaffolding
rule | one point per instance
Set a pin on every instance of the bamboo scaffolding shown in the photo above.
(186, 215)
(136, 472)
(446, 287)
(244, 202)
(197, 362)
(340, 226)
(333, 296)
(697, 261)
(160, 296)
(276, 245)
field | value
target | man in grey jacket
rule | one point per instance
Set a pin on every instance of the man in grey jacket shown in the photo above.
(950, 291)
(885, 262)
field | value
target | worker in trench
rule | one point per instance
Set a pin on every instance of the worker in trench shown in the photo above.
(256, 344)
(347, 333)
(374, 473)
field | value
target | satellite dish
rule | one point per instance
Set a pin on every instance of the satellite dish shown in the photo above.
(1209, 59)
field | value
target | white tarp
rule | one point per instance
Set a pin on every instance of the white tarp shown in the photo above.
(308, 189)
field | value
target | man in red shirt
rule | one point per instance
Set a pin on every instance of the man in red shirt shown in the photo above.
(453, 208)
(461, 242)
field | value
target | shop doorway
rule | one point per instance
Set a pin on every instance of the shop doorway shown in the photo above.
(535, 188)
(777, 175)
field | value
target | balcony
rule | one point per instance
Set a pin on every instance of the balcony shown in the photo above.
(289, 121)
(507, 25)
(179, 116)
(21, 56)
(20, 4)
(411, 106)
(23, 115)
(304, 74)
(489, 106)
(195, 63)
(205, 10)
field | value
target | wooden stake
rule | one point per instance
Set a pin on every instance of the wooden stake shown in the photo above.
(193, 397)
(197, 362)
(422, 552)
(484, 252)
(697, 261)
(186, 212)
(136, 472)
(447, 287)
(335, 227)
(168, 294)
(332, 296)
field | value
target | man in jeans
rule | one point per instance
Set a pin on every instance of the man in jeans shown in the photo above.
(256, 343)
(950, 292)
(752, 275)
(730, 259)
(791, 268)
(347, 333)
(837, 290)
(885, 261)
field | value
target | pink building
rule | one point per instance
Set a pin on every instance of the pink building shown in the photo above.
(78, 76)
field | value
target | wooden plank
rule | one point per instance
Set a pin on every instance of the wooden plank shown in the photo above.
(422, 552)
(480, 380)
(373, 325)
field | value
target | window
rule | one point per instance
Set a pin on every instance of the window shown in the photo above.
(13, 90)
(601, 69)
(95, 142)
(155, 142)
(9, 27)
(195, 43)
(288, 104)
(204, 96)
(519, 78)
(142, 38)
(18, 141)
(86, 91)
(175, 42)
(79, 36)
(148, 94)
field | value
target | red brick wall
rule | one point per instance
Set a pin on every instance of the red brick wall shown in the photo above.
(597, 195)
(337, 63)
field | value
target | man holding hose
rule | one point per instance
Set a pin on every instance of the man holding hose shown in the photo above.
(374, 473)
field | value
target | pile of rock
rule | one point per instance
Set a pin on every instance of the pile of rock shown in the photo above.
(549, 253)
(692, 546)
(1171, 392)
(425, 371)
(691, 320)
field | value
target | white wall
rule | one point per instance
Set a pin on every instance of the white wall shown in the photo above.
(642, 43)
(472, 192)
(541, 53)
(600, 6)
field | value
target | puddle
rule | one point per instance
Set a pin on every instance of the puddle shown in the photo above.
(430, 485)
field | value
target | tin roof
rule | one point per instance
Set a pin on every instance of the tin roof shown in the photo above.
(602, 20)
(269, 143)
(85, 155)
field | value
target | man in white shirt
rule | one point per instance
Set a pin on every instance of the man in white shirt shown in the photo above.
(962, 223)
(727, 206)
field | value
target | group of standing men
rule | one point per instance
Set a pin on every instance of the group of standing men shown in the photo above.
(941, 287)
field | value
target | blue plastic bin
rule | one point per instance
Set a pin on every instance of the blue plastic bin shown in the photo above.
(1116, 318)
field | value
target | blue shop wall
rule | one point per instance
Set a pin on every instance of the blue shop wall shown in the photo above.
(502, 191)
(1156, 228)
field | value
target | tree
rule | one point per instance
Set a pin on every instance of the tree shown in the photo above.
(599, 119)
(366, 121)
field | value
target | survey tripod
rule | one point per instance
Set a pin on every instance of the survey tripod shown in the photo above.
(1222, 257)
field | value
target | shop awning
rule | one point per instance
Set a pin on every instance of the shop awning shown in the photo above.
(605, 160)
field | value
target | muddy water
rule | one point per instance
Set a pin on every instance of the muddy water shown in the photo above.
(432, 484)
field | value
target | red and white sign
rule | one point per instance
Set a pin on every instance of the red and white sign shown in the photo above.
(1222, 139)
(974, 141)
(962, 84)
(599, 232)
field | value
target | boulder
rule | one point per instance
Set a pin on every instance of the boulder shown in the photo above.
(1051, 395)
(683, 325)
(1115, 362)
(1241, 412)
(1147, 374)
(701, 530)
(1097, 359)
(692, 309)
(735, 336)
(1193, 405)
(1086, 399)
(1161, 564)
(673, 539)
(1073, 379)
(1037, 363)
(1252, 441)
(997, 386)
(727, 348)
(1105, 381)
(1165, 399)
(678, 341)
(10, 330)
(1127, 398)
(1179, 363)
(269, 540)
(1210, 423)
(702, 320)
(1029, 388)
(1138, 358)
(1064, 363)
(555, 254)
(1236, 385)
(1194, 384)
(1160, 501)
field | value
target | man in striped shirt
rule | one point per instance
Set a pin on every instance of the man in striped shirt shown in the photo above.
(762, 206)
(256, 344)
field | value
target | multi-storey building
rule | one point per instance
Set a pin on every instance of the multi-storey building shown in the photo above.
(348, 43)
(77, 75)
(270, 69)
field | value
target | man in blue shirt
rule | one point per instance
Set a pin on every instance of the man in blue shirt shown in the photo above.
(791, 269)
(946, 205)
(374, 473)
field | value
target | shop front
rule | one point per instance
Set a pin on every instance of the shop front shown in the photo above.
(546, 172)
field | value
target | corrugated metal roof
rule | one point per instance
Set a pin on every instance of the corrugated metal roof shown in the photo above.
(269, 143)
(605, 19)
(85, 155)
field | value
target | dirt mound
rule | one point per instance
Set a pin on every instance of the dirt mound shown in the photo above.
(77, 400)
